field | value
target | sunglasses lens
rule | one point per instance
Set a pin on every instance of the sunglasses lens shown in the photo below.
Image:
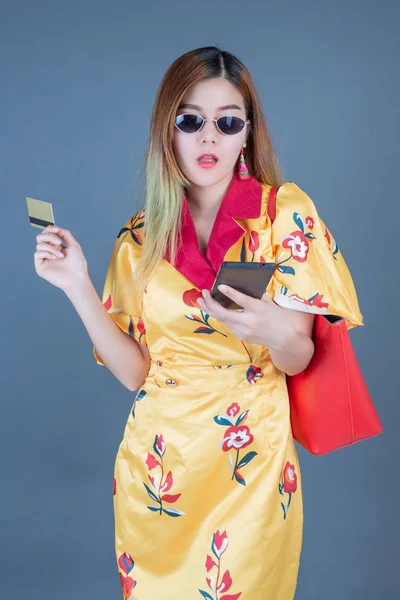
(188, 123)
(231, 125)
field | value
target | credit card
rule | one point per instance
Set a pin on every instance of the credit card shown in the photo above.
(40, 213)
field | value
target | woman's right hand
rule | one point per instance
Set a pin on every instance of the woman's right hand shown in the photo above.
(61, 266)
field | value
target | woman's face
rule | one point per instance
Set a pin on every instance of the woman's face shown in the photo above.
(208, 99)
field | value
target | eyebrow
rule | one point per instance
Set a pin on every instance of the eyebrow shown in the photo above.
(226, 107)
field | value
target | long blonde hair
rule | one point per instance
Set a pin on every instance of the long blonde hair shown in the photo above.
(164, 182)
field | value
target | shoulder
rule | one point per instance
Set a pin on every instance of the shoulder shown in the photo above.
(293, 204)
(132, 230)
(292, 197)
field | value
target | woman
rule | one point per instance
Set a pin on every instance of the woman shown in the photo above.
(207, 485)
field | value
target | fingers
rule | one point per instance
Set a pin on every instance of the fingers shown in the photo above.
(214, 308)
(43, 247)
(66, 235)
(241, 299)
(60, 234)
(49, 237)
(42, 254)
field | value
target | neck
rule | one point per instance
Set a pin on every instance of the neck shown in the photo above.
(204, 200)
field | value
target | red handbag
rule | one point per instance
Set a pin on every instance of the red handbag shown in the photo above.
(330, 406)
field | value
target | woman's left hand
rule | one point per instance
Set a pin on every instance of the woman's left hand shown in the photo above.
(260, 321)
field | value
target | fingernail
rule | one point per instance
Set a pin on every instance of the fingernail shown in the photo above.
(222, 287)
(204, 292)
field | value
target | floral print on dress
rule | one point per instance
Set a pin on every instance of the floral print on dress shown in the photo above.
(131, 328)
(298, 242)
(329, 240)
(252, 247)
(135, 224)
(160, 484)
(126, 564)
(138, 397)
(217, 582)
(190, 298)
(315, 300)
(253, 374)
(237, 437)
(287, 485)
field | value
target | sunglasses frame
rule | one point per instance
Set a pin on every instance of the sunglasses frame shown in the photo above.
(215, 120)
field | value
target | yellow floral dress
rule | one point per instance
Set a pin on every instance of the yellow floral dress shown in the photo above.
(207, 484)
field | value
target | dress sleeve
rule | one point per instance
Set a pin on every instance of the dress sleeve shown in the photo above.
(118, 293)
(311, 274)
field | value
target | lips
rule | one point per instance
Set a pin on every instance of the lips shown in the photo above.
(207, 158)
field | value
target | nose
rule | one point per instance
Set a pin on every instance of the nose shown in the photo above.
(209, 132)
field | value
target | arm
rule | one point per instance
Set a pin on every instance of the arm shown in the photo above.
(297, 348)
(127, 359)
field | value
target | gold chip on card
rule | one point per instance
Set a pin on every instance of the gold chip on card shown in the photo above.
(40, 213)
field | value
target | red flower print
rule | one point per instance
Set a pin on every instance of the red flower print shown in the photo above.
(313, 301)
(127, 584)
(214, 581)
(210, 563)
(154, 482)
(262, 259)
(167, 484)
(297, 242)
(289, 479)
(253, 374)
(115, 486)
(219, 543)
(329, 240)
(160, 444)
(151, 462)
(309, 222)
(236, 438)
(233, 409)
(287, 485)
(141, 327)
(126, 563)
(159, 483)
(190, 297)
(108, 303)
(317, 301)
(225, 583)
(298, 245)
(254, 242)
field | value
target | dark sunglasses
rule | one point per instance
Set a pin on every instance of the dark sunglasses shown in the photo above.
(229, 125)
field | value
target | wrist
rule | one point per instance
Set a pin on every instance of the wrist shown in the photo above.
(78, 286)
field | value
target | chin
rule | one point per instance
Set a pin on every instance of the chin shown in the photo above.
(206, 177)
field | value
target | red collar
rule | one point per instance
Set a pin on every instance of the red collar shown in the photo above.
(241, 201)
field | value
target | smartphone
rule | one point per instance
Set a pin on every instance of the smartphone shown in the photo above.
(249, 278)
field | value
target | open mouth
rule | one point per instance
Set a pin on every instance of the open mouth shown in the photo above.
(207, 160)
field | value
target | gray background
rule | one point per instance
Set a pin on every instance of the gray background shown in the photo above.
(78, 81)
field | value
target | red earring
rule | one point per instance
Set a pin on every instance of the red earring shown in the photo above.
(243, 170)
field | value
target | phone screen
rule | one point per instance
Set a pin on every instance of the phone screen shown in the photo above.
(251, 279)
